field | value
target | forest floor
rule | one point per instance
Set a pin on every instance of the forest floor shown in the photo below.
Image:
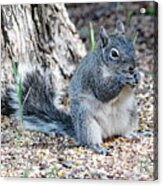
(32, 154)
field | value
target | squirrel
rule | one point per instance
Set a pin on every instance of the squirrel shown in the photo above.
(101, 93)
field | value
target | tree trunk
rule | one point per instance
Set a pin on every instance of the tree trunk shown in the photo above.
(40, 34)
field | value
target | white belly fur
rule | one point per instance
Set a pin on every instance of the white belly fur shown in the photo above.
(113, 117)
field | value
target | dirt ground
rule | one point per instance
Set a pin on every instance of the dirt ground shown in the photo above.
(31, 154)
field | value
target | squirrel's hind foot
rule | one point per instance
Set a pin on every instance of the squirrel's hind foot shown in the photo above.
(99, 149)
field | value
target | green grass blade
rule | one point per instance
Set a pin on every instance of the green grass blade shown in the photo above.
(26, 173)
(15, 70)
(18, 87)
(92, 37)
(129, 16)
(134, 38)
(20, 102)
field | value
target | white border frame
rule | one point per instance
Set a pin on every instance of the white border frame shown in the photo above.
(70, 182)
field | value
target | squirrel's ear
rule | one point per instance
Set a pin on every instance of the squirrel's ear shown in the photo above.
(120, 28)
(103, 36)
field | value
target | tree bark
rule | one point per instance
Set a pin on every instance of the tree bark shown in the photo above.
(40, 34)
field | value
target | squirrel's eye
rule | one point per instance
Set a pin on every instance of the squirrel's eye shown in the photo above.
(114, 54)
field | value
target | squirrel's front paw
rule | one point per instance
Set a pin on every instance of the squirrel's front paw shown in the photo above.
(131, 79)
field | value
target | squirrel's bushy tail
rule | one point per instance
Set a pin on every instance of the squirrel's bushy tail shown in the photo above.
(39, 89)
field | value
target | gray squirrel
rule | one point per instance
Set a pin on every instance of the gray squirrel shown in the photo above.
(101, 92)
